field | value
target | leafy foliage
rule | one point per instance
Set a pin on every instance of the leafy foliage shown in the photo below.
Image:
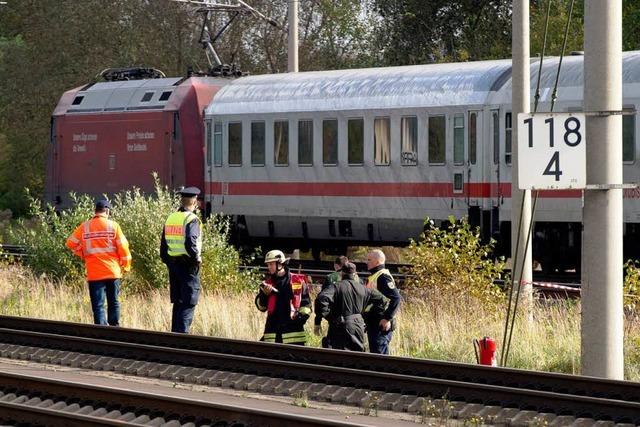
(417, 32)
(44, 236)
(141, 218)
(453, 264)
(631, 288)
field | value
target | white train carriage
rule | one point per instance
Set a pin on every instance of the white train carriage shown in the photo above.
(335, 158)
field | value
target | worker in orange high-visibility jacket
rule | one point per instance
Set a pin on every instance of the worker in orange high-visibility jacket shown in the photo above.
(105, 251)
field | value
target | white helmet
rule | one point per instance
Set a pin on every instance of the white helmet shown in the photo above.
(276, 256)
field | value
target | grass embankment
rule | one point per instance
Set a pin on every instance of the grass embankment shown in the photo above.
(442, 331)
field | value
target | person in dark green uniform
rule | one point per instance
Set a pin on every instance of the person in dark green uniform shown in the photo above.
(330, 280)
(181, 251)
(342, 305)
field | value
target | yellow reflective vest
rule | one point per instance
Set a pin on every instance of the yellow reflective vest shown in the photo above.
(175, 233)
(372, 280)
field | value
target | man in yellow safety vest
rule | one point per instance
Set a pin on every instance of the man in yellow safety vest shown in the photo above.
(181, 251)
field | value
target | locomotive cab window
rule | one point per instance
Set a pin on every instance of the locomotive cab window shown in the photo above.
(382, 141)
(235, 144)
(629, 135)
(330, 142)
(507, 138)
(147, 97)
(356, 141)
(409, 141)
(77, 100)
(281, 142)
(458, 139)
(305, 142)
(257, 143)
(437, 142)
(165, 96)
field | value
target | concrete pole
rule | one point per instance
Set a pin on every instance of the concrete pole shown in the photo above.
(293, 36)
(520, 103)
(602, 276)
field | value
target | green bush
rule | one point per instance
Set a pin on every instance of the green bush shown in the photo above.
(631, 288)
(453, 264)
(141, 218)
(44, 235)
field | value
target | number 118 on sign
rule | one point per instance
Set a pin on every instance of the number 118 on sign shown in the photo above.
(551, 151)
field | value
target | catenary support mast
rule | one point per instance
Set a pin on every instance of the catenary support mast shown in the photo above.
(602, 276)
(521, 103)
(293, 36)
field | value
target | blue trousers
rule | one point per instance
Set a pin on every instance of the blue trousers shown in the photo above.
(378, 341)
(182, 317)
(98, 289)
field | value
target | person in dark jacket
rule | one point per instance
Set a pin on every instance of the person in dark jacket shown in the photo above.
(342, 305)
(285, 298)
(181, 251)
(380, 328)
(330, 280)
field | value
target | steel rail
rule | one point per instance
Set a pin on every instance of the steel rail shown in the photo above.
(468, 391)
(62, 394)
(545, 381)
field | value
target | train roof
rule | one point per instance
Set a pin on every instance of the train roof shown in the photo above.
(432, 85)
(128, 95)
(373, 88)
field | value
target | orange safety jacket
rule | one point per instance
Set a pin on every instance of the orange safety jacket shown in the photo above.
(104, 249)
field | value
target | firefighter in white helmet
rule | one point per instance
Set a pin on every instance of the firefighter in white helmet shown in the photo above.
(285, 298)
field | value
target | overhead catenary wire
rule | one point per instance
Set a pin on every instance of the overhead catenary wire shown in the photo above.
(554, 95)
(544, 45)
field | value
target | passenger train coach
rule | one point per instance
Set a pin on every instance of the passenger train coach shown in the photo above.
(337, 158)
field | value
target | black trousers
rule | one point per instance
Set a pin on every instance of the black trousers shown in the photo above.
(184, 287)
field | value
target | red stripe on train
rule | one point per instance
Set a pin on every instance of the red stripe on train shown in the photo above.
(368, 189)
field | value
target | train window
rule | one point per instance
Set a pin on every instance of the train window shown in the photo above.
(330, 142)
(629, 137)
(235, 144)
(305, 142)
(356, 141)
(458, 139)
(437, 141)
(257, 143)
(77, 100)
(458, 182)
(473, 137)
(496, 138)
(382, 141)
(147, 97)
(217, 144)
(507, 138)
(281, 142)
(209, 140)
(165, 96)
(409, 141)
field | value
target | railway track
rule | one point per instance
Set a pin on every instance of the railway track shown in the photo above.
(30, 400)
(394, 383)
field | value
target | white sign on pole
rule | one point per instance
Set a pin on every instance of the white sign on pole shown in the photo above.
(551, 151)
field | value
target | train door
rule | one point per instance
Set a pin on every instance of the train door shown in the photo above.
(496, 174)
(473, 172)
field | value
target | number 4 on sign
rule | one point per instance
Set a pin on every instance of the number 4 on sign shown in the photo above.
(551, 151)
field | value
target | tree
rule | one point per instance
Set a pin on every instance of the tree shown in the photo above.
(415, 31)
